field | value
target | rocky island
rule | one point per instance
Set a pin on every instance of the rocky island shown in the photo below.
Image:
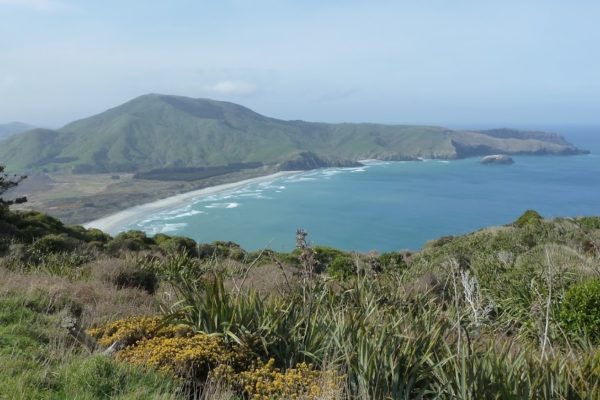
(497, 159)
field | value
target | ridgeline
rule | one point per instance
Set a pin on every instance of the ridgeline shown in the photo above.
(155, 132)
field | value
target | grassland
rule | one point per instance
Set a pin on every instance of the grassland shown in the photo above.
(508, 312)
(79, 198)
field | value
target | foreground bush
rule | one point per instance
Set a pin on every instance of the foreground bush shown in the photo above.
(176, 351)
(580, 310)
(55, 244)
(389, 342)
(192, 357)
(342, 267)
(487, 320)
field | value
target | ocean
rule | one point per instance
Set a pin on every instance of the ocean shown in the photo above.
(387, 206)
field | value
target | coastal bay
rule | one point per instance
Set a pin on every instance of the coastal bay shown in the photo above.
(394, 205)
(113, 223)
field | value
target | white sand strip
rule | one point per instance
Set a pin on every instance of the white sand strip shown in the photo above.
(112, 224)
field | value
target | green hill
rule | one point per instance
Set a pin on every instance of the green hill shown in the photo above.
(13, 128)
(158, 131)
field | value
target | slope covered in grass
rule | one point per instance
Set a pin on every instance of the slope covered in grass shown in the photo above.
(160, 131)
(38, 361)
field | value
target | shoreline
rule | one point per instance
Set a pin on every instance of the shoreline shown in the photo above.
(111, 223)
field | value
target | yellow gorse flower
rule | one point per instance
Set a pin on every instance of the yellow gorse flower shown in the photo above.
(303, 382)
(181, 356)
(176, 350)
(128, 331)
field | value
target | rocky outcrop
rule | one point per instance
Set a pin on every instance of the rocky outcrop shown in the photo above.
(497, 159)
(307, 160)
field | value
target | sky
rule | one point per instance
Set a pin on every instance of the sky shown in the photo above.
(433, 62)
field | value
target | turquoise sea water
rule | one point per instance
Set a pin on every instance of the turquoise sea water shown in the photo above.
(392, 206)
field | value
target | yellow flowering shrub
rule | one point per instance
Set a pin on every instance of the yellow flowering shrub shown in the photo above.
(174, 349)
(192, 356)
(131, 330)
(177, 351)
(267, 382)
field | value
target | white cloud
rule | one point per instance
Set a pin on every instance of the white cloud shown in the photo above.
(232, 88)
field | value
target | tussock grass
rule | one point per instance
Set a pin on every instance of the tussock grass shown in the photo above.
(92, 301)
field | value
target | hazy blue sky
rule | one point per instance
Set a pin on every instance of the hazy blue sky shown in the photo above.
(435, 62)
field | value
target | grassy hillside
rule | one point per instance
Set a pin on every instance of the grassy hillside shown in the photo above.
(504, 312)
(159, 131)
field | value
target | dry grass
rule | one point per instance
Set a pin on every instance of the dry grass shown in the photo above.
(265, 278)
(98, 301)
(105, 269)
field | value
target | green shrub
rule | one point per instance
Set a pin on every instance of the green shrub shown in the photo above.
(7, 230)
(130, 240)
(589, 223)
(88, 235)
(288, 258)
(220, 250)
(325, 255)
(36, 224)
(29, 226)
(342, 267)
(260, 257)
(529, 217)
(176, 244)
(68, 265)
(136, 278)
(392, 261)
(4, 245)
(55, 244)
(580, 309)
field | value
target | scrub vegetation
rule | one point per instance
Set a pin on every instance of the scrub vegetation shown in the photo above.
(509, 312)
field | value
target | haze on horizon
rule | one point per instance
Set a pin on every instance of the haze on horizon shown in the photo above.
(434, 62)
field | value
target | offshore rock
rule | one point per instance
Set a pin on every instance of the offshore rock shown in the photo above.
(497, 159)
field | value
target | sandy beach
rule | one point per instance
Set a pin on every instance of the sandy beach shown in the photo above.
(113, 223)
